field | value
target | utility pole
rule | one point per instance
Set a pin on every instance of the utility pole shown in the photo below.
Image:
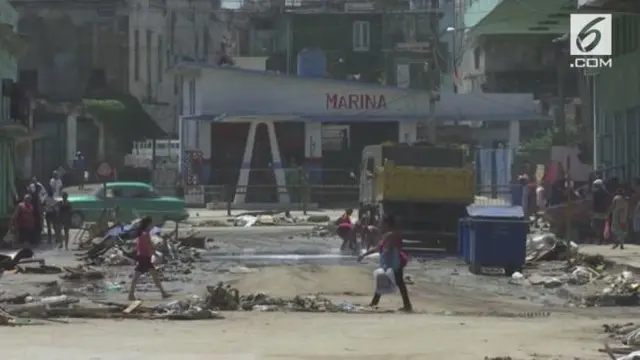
(431, 121)
(435, 73)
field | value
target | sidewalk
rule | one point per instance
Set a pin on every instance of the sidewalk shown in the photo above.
(630, 256)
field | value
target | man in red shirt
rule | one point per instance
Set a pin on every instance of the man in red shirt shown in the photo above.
(23, 222)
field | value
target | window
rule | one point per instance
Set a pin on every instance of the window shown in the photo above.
(197, 46)
(148, 53)
(136, 55)
(134, 192)
(476, 58)
(160, 57)
(361, 36)
(206, 39)
(192, 97)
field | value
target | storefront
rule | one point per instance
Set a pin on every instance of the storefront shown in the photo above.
(241, 120)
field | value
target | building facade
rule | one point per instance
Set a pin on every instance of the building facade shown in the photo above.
(245, 133)
(508, 46)
(14, 112)
(162, 33)
(85, 56)
(512, 46)
(388, 43)
(615, 97)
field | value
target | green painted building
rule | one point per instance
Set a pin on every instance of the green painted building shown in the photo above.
(13, 118)
(613, 94)
(492, 17)
(368, 45)
(616, 94)
(352, 42)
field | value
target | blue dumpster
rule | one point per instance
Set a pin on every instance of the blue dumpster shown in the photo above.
(463, 239)
(497, 239)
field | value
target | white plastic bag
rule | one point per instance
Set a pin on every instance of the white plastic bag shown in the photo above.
(384, 281)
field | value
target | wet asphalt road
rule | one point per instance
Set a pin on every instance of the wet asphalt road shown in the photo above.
(235, 249)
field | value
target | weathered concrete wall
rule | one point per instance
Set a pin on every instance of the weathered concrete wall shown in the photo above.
(70, 45)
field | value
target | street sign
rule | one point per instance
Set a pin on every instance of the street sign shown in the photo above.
(104, 169)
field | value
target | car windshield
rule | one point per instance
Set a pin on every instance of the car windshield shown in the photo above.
(152, 193)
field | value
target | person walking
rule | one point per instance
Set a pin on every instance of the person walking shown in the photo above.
(64, 217)
(144, 254)
(38, 195)
(600, 207)
(80, 169)
(55, 183)
(23, 223)
(391, 257)
(619, 218)
(52, 221)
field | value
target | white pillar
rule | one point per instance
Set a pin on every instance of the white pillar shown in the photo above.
(101, 139)
(407, 132)
(312, 140)
(72, 137)
(243, 178)
(313, 151)
(283, 193)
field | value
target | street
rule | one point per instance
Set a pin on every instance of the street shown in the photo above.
(451, 306)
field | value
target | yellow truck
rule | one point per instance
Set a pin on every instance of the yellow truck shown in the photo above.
(426, 188)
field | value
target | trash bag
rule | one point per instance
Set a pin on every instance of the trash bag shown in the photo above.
(384, 281)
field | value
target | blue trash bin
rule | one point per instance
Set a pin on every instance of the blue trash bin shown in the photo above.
(497, 238)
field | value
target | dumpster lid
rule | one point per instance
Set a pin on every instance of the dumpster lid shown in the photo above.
(495, 211)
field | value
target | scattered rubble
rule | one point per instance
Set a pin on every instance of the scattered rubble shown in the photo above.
(576, 269)
(628, 335)
(282, 218)
(116, 247)
(264, 218)
(53, 303)
(544, 246)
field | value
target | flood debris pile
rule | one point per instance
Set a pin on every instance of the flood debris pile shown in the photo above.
(620, 290)
(223, 296)
(66, 307)
(117, 247)
(262, 218)
(627, 335)
(56, 302)
(544, 246)
(555, 264)
(276, 218)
